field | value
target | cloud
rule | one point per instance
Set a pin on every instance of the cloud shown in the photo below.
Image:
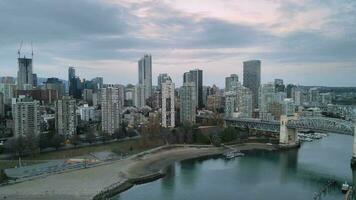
(111, 35)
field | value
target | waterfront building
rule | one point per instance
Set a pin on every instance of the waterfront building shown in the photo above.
(196, 76)
(244, 102)
(230, 103)
(188, 102)
(288, 107)
(252, 79)
(110, 110)
(145, 75)
(168, 108)
(24, 74)
(26, 116)
(66, 116)
(231, 82)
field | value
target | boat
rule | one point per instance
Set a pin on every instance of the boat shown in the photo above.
(345, 187)
(233, 154)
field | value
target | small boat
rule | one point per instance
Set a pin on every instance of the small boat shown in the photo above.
(345, 187)
(233, 154)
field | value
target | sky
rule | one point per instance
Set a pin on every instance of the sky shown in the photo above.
(308, 42)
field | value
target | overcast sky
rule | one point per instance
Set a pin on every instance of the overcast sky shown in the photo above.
(310, 42)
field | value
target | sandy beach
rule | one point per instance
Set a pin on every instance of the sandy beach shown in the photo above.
(86, 183)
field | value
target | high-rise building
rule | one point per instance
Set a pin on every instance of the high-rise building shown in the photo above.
(230, 103)
(279, 86)
(7, 80)
(288, 107)
(110, 110)
(55, 84)
(161, 79)
(188, 102)
(244, 102)
(314, 95)
(267, 97)
(231, 82)
(139, 96)
(24, 74)
(252, 79)
(66, 116)
(88, 96)
(87, 113)
(2, 105)
(26, 116)
(168, 112)
(196, 76)
(145, 74)
(129, 95)
(34, 80)
(9, 92)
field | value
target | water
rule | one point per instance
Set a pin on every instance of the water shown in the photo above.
(260, 175)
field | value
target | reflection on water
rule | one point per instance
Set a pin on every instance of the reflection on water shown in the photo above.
(294, 174)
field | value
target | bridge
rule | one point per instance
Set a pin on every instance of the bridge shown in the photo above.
(288, 125)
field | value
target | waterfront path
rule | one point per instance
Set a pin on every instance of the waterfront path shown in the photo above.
(86, 183)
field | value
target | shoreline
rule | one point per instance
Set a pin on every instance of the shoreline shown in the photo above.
(109, 180)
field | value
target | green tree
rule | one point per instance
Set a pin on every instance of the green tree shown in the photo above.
(228, 134)
(90, 136)
(74, 139)
(57, 141)
(32, 143)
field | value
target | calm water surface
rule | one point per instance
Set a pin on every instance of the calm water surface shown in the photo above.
(260, 175)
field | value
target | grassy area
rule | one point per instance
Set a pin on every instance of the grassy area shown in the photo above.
(127, 147)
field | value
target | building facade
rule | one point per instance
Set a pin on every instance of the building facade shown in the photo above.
(188, 103)
(26, 116)
(145, 75)
(110, 110)
(252, 79)
(24, 74)
(168, 108)
(66, 116)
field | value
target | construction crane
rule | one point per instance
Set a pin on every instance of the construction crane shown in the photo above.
(31, 50)
(19, 50)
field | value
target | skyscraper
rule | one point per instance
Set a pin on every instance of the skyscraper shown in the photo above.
(110, 110)
(145, 74)
(26, 116)
(168, 112)
(66, 116)
(231, 82)
(161, 79)
(71, 73)
(252, 78)
(278, 84)
(139, 93)
(188, 102)
(24, 74)
(196, 76)
(2, 105)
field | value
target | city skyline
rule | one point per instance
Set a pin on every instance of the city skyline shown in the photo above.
(288, 36)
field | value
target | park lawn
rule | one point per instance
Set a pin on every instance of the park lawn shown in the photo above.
(126, 147)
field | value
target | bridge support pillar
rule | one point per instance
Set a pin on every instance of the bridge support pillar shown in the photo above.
(353, 160)
(287, 136)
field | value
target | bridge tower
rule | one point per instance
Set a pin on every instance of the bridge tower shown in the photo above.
(354, 144)
(287, 136)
